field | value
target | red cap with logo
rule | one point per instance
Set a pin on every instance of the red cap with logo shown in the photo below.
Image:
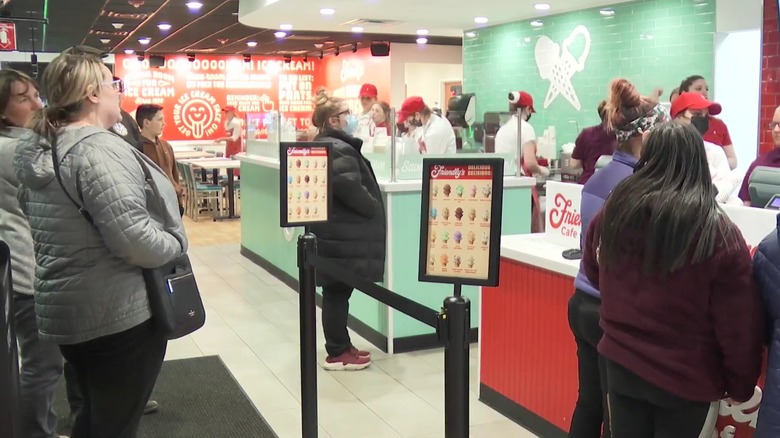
(368, 90)
(693, 101)
(411, 105)
(229, 108)
(522, 99)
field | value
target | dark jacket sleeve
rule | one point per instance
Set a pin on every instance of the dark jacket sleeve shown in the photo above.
(738, 321)
(767, 274)
(590, 247)
(347, 186)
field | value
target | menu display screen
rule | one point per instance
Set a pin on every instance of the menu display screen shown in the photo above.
(305, 183)
(461, 223)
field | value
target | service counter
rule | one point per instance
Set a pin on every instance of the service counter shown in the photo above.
(528, 360)
(274, 248)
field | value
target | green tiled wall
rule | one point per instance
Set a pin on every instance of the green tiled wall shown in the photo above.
(653, 43)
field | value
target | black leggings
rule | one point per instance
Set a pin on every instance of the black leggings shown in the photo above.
(639, 409)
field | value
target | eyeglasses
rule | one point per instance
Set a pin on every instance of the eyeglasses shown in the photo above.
(346, 112)
(116, 85)
(773, 125)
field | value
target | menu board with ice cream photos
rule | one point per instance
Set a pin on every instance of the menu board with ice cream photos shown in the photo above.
(461, 224)
(305, 183)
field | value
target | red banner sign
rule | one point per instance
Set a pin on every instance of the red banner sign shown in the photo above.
(7, 36)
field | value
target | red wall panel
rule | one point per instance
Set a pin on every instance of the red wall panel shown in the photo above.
(528, 350)
(770, 73)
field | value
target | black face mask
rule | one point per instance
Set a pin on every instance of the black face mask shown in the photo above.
(415, 122)
(701, 123)
(528, 117)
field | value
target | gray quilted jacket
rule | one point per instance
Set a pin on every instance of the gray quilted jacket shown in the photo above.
(88, 278)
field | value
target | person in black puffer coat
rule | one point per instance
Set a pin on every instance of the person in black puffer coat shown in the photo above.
(354, 237)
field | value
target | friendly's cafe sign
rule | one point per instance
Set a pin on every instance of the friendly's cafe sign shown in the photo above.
(564, 225)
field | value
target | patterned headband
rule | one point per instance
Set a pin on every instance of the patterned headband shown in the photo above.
(657, 115)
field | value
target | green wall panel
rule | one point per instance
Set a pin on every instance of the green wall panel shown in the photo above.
(653, 43)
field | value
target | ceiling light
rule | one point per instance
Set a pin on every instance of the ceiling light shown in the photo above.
(280, 34)
(537, 23)
(607, 12)
(327, 11)
(144, 41)
(286, 26)
(542, 7)
(251, 43)
(164, 26)
(480, 20)
(357, 29)
(105, 40)
(471, 34)
(422, 31)
(422, 40)
(118, 25)
(194, 6)
(129, 51)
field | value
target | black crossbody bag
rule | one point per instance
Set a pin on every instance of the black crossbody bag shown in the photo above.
(174, 297)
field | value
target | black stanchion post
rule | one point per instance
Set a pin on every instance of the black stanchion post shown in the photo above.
(307, 244)
(457, 311)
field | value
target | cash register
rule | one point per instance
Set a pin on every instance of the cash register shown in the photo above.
(764, 187)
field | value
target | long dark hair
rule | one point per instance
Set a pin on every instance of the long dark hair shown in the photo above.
(686, 83)
(670, 200)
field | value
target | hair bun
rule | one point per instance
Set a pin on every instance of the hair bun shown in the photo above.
(625, 93)
(321, 98)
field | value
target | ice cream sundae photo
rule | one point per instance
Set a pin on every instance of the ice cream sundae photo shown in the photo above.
(434, 213)
(306, 194)
(289, 179)
(306, 179)
(445, 214)
(315, 179)
(316, 164)
(432, 259)
(298, 210)
(485, 215)
(458, 213)
(435, 190)
(457, 236)
(316, 194)
(445, 237)
(297, 163)
(315, 209)
(433, 236)
(459, 191)
(472, 214)
(297, 195)
(444, 260)
(486, 190)
(447, 190)
(289, 164)
(306, 164)
(456, 261)
(298, 179)
(470, 262)
(474, 191)
(471, 237)
(485, 238)
(306, 211)
(322, 164)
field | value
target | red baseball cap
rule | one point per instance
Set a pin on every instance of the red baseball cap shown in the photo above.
(368, 90)
(522, 99)
(229, 108)
(411, 105)
(693, 101)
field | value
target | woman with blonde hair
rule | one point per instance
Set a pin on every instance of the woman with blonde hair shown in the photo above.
(100, 213)
(354, 238)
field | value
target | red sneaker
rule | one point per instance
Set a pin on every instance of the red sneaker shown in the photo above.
(348, 361)
(361, 353)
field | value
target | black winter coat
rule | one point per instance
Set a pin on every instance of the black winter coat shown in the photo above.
(356, 235)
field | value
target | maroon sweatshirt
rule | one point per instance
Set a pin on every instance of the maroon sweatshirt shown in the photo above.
(696, 333)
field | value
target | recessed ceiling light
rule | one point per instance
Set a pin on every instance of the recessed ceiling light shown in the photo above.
(422, 31)
(537, 23)
(327, 11)
(480, 20)
(164, 26)
(286, 26)
(357, 29)
(607, 12)
(471, 34)
(118, 25)
(144, 41)
(194, 5)
(542, 7)
(129, 51)
(105, 40)
(251, 43)
(422, 40)
(280, 34)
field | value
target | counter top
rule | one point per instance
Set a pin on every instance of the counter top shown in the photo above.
(536, 250)
(259, 159)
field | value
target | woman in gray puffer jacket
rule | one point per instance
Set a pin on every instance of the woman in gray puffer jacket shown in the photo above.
(90, 295)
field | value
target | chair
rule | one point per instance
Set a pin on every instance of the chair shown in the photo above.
(199, 193)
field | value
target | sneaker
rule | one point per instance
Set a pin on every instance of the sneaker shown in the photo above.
(361, 353)
(348, 361)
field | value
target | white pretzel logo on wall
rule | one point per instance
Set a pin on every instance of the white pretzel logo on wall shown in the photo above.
(557, 65)
(196, 114)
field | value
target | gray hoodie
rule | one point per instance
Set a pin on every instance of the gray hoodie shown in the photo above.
(14, 229)
(88, 278)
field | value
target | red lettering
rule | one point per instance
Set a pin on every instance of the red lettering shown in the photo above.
(563, 213)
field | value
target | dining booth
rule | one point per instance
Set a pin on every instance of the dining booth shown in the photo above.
(528, 358)
(274, 248)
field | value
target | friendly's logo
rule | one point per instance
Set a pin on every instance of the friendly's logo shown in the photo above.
(196, 114)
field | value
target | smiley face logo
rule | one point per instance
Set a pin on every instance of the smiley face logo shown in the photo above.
(195, 114)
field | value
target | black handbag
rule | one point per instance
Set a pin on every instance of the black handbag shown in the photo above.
(174, 297)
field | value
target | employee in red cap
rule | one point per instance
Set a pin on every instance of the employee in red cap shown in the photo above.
(768, 159)
(233, 127)
(693, 109)
(369, 95)
(433, 134)
(506, 143)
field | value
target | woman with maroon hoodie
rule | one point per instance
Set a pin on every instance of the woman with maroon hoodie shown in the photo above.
(681, 313)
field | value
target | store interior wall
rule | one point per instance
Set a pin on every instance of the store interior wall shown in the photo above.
(427, 80)
(403, 54)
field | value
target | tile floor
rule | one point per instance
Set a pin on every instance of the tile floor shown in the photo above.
(253, 326)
